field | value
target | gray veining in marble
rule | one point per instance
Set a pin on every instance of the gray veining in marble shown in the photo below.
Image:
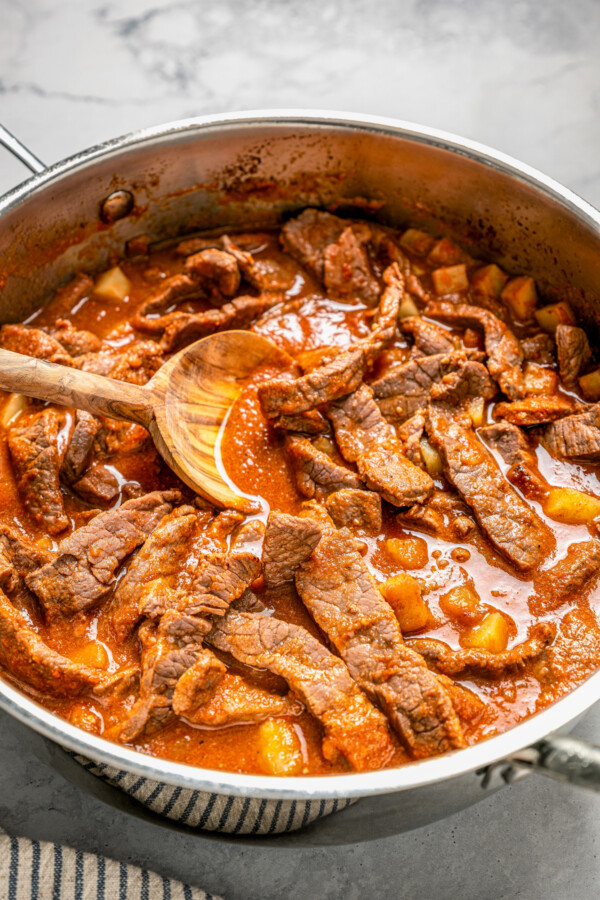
(520, 75)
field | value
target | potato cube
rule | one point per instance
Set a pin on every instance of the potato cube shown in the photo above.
(477, 411)
(550, 317)
(539, 380)
(417, 242)
(112, 285)
(93, 654)
(403, 593)
(407, 308)
(520, 295)
(83, 717)
(431, 458)
(571, 506)
(324, 444)
(450, 279)
(445, 253)
(590, 385)
(489, 280)
(462, 603)
(408, 552)
(492, 634)
(14, 406)
(279, 750)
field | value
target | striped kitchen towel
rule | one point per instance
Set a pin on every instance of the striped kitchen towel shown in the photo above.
(38, 870)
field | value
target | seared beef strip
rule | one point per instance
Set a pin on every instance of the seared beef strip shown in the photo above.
(430, 339)
(540, 349)
(409, 435)
(98, 484)
(84, 569)
(316, 473)
(568, 578)
(216, 271)
(337, 588)
(230, 701)
(34, 342)
(405, 389)
(574, 437)
(355, 509)
(353, 727)
(307, 237)
(161, 557)
(222, 525)
(76, 341)
(573, 655)
(574, 352)
(364, 437)
(347, 271)
(445, 516)
(505, 355)
(80, 446)
(516, 451)
(483, 663)
(29, 659)
(23, 554)
(288, 542)
(535, 410)
(247, 533)
(512, 526)
(163, 664)
(32, 442)
(309, 422)
(218, 581)
(290, 396)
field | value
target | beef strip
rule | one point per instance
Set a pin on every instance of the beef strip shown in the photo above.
(573, 656)
(429, 339)
(222, 525)
(353, 727)
(98, 484)
(309, 422)
(445, 516)
(247, 534)
(347, 271)
(405, 389)
(316, 473)
(535, 410)
(514, 448)
(511, 525)
(364, 437)
(307, 237)
(76, 341)
(288, 542)
(163, 664)
(137, 363)
(409, 435)
(574, 437)
(483, 663)
(33, 446)
(84, 568)
(355, 509)
(230, 701)
(540, 349)
(28, 658)
(337, 588)
(220, 579)
(345, 372)
(217, 272)
(34, 342)
(24, 555)
(80, 445)
(574, 352)
(568, 578)
(504, 352)
(161, 557)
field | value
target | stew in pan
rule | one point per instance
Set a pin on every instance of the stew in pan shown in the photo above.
(423, 570)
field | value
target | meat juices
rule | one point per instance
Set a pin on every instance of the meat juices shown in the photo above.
(428, 473)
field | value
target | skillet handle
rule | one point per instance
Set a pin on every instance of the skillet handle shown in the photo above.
(565, 759)
(19, 150)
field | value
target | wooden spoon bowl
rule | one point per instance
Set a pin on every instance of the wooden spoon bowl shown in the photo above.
(184, 406)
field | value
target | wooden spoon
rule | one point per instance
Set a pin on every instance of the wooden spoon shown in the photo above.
(183, 406)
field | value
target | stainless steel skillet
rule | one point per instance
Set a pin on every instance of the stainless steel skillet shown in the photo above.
(252, 169)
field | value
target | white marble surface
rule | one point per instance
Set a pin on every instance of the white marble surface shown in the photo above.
(522, 76)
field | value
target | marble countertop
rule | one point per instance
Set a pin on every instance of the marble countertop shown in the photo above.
(522, 76)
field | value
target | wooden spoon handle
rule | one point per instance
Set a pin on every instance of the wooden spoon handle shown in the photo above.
(71, 387)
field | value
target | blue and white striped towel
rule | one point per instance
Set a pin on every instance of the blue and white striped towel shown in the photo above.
(38, 870)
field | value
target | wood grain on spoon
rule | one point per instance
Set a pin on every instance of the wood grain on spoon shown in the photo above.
(183, 406)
